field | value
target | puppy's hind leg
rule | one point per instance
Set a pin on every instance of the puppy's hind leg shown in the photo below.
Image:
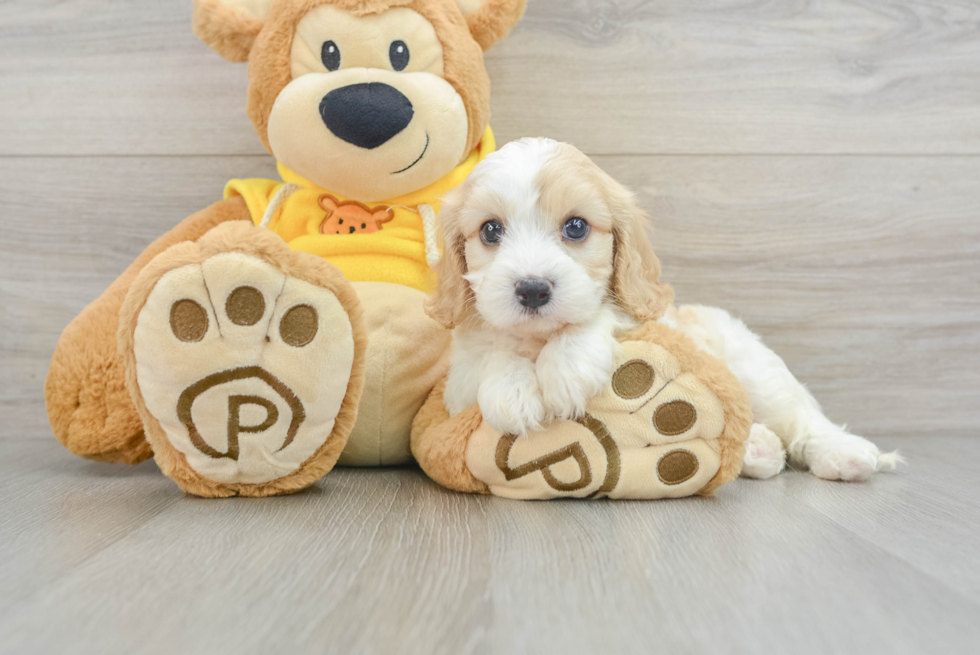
(780, 402)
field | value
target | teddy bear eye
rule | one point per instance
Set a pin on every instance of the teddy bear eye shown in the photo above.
(398, 54)
(330, 55)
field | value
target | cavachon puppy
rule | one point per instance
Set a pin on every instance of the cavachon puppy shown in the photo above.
(547, 260)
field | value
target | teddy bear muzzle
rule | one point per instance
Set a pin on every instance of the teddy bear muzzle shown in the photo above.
(366, 115)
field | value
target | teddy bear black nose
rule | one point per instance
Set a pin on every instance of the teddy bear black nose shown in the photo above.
(366, 115)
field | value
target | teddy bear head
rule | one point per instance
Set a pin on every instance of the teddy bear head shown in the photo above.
(369, 98)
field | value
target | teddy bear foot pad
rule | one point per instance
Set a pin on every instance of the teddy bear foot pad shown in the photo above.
(652, 434)
(243, 367)
(591, 465)
(670, 423)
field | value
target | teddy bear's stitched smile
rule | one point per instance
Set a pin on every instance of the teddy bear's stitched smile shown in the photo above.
(424, 150)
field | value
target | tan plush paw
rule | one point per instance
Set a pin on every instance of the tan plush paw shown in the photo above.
(670, 422)
(246, 361)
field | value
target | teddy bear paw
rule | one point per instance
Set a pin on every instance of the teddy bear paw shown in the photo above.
(243, 366)
(659, 429)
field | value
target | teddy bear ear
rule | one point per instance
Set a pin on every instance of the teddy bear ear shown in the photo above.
(491, 20)
(230, 26)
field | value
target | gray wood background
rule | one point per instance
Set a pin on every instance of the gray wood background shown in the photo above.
(811, 166)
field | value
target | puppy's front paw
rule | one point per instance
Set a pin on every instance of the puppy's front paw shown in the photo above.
(764, 454)
(510, 399)
(571, 370)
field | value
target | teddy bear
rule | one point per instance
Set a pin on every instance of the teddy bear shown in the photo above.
(281, 331)
(231, 350)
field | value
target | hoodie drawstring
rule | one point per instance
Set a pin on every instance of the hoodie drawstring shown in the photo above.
(284, 192)
(431, 231)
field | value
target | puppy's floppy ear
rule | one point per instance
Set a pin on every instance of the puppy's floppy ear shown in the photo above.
(230, 26)
(491, 20)
(636, 269)
(453, 297)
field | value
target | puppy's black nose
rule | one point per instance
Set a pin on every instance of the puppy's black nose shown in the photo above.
(533, 292)
(366, 115)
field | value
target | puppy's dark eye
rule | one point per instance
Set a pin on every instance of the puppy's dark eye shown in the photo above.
(398, 54)
(491, 233)
(575, 229)
(330, 55)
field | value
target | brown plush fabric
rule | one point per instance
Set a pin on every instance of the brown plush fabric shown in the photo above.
(261, 243)
(439, 444)
(494, 20)
(724, 384)
(228, 30)
(89, 407)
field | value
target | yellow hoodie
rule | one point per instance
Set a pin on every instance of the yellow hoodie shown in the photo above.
(383, 242)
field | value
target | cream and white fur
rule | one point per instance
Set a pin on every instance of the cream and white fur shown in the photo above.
(526, 367)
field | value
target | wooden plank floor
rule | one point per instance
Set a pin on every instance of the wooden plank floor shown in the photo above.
(103, 559)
